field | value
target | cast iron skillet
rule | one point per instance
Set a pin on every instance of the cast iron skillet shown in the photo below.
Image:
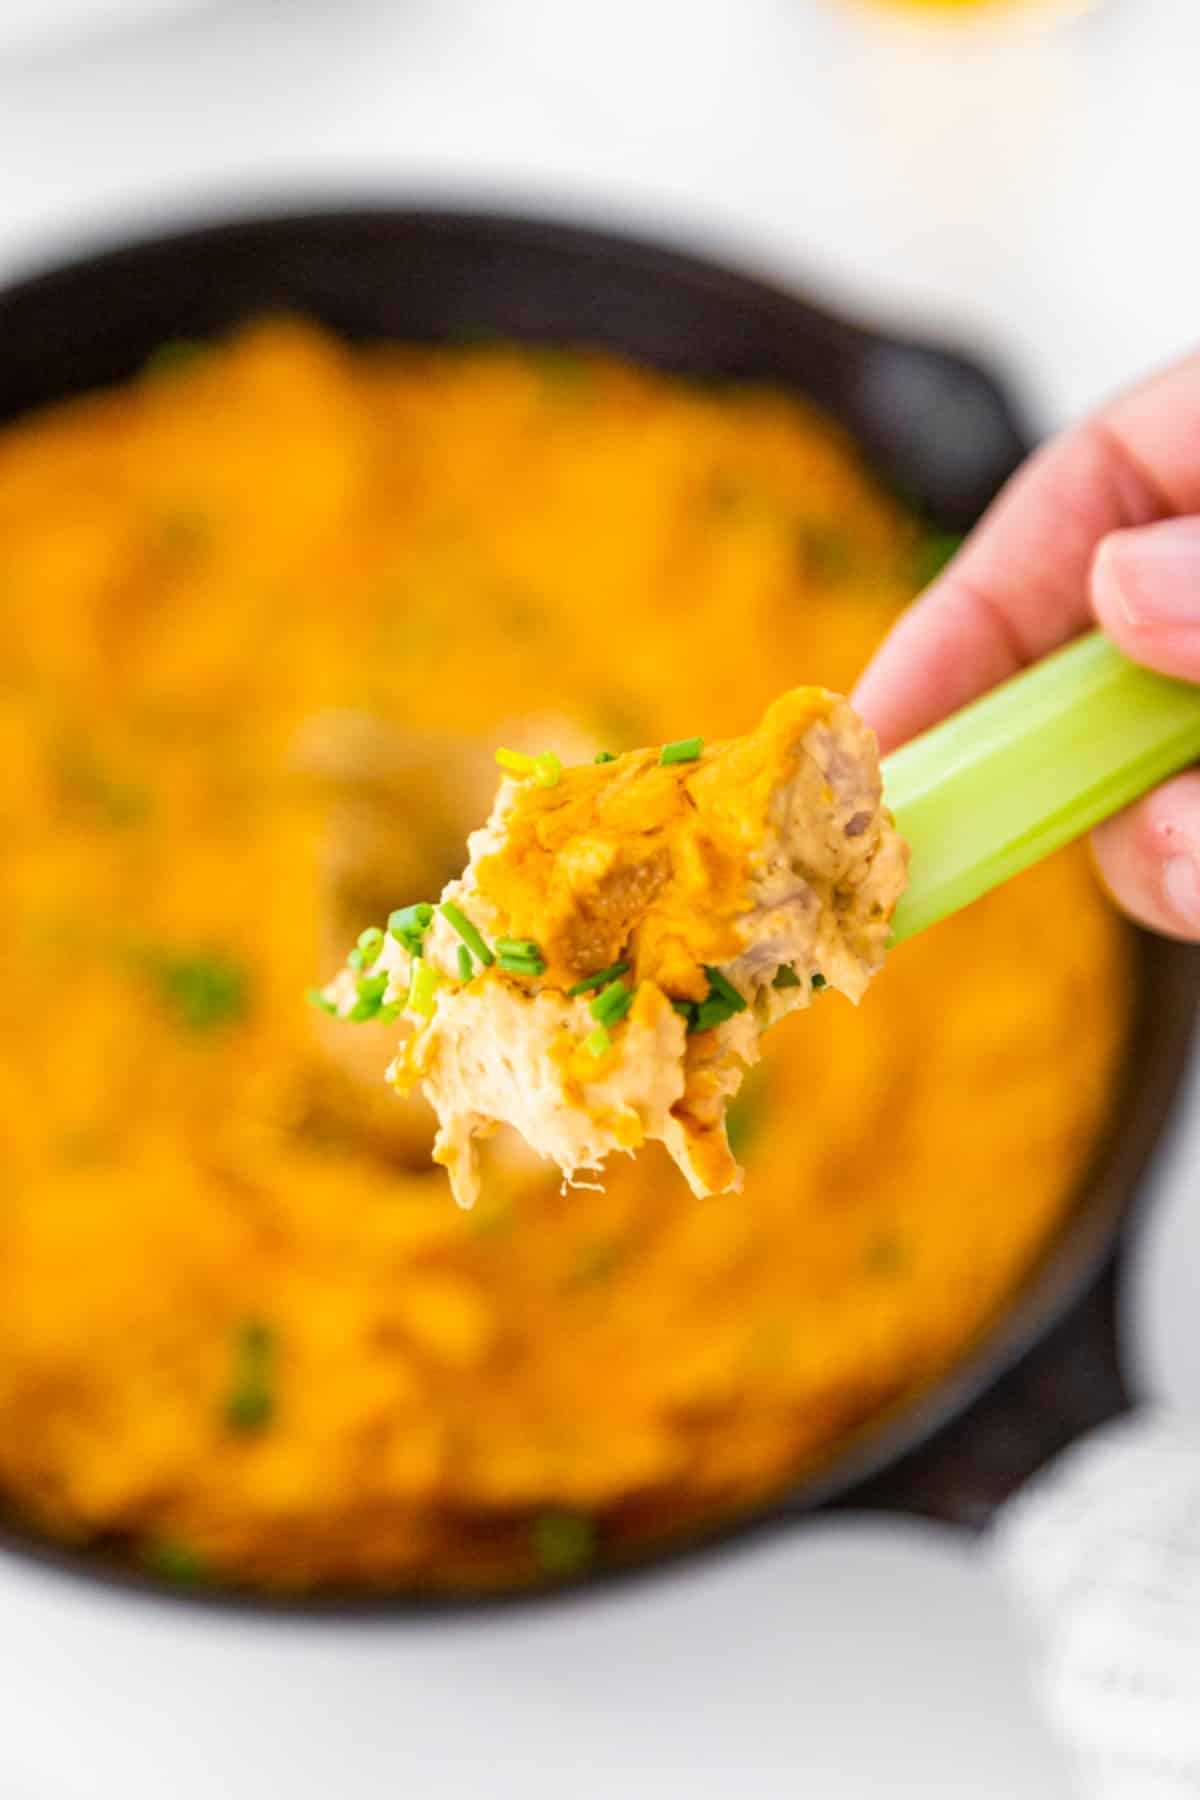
(937, 428)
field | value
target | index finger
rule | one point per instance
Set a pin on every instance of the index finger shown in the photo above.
(1019, 586)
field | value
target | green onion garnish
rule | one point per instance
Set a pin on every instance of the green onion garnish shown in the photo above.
(721, 988)
(598, 1040)
(409, 924)
(363, 1011)
(520, 965)
(818, 982)
(469, 933)
(202, 991)
(250, 1403)
(320, 999)
(356, 960)
(249, 1407)
(516, 762)
(370, 942)
(418, 917)
(786, 977)
(564, 1543)
(547, 769)
(933, 553)
(466, 965)
(600, 979)
(507, 946)
(372, 987)
(721, 1002)
(426, 980)
(610, 1006)
(683, 750)
(687, 1009)
(391, 1011)
(174, 355)
(172, 1560)
(605, 756)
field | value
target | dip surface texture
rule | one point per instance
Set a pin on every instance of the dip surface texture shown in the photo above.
(255, 606)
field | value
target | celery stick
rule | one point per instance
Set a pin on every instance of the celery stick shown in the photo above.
(1027, 768)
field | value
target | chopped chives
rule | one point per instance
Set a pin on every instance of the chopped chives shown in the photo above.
(545, 767)
(466, 964)
(711, 1013)
(250, 1403)
(425, 982)
(249, 1407)
(417, 917)
(687, 1009)
(564, 1543)
(610, 1006)
(173, 355)
(520, 965)
(370, 942)
(683, 750)
(409, 924)
(471, 936)
(818, 982)
(600, 979)
(605, 756)
(721, 1002)
(516, 762)
(786, 977)
(390, 1011)
(356, 960)
(172, 1560)
(508, 946)
(933, 553)
(203, 990)
(598, 1040)
(372, 987)
(723, 989)
(320, 999)
(364, 1010)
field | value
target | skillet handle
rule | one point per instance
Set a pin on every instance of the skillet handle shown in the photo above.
(1071, 1383)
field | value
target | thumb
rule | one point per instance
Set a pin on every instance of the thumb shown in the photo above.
(1145, 591)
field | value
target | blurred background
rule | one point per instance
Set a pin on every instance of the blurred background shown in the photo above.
(341, 506)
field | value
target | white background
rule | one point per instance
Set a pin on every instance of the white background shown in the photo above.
(1034, 196)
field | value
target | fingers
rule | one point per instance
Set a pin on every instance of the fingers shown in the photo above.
(1146, 595)
(1095, 522)
(1149, 858)
(1019, 586)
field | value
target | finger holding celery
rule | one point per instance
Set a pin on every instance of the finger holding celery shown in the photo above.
(1098, 528)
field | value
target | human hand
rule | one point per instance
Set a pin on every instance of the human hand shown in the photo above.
(1099, 526)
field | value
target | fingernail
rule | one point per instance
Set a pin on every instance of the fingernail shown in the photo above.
(1153, 573)
(1181, 885)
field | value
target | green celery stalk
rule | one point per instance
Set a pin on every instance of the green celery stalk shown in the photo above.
(1027, 768)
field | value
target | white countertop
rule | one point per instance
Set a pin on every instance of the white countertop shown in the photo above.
(1033, 195)
(1036, 199)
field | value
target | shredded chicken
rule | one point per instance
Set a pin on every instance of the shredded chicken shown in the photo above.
(713, 894)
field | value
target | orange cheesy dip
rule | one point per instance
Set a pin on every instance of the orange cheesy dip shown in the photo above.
(256, 607)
